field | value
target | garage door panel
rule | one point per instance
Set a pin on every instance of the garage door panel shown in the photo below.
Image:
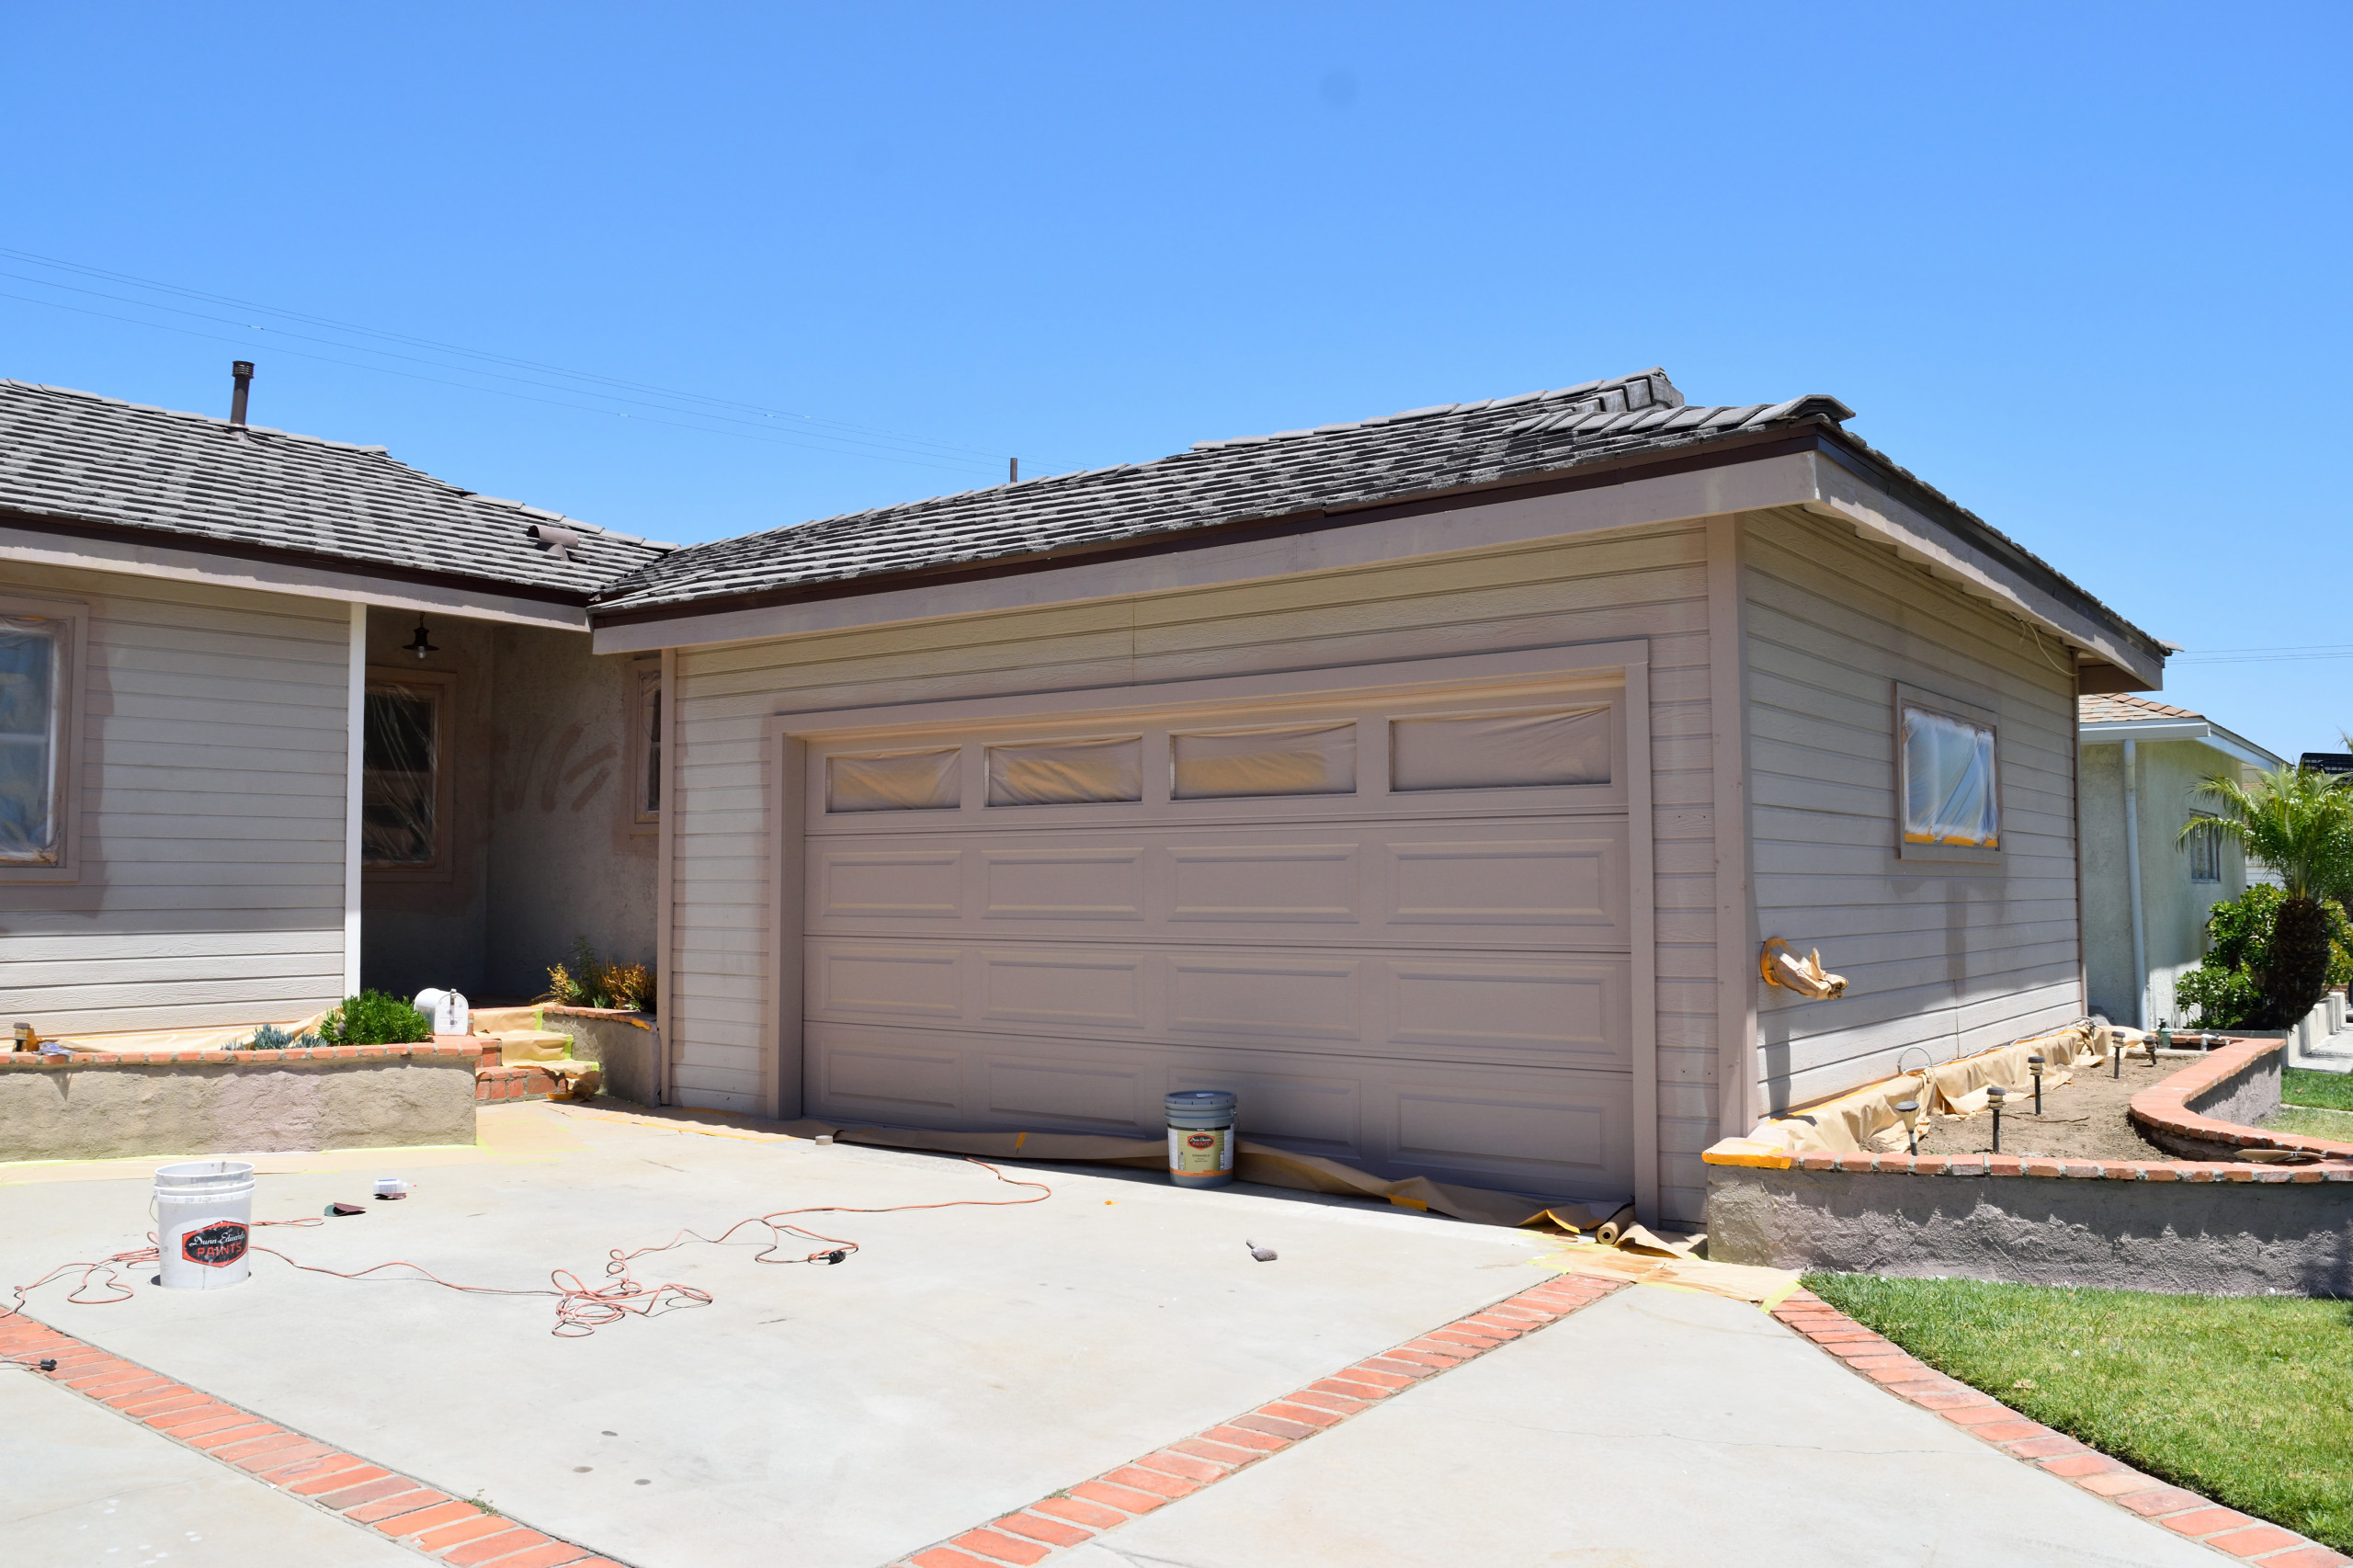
(1560, 1132)
(1071, 989)
(1065, 883)
(1530, 882)
(1500, 1009)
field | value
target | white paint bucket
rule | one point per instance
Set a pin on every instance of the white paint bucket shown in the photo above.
(204, 1211)
(1200, 1137)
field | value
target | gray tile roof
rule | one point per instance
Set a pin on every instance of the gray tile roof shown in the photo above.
(78, 458)
(1417, 452)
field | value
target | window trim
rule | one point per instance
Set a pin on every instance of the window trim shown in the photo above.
(444, 686)
(1967, 713)
(644, 749)
(72, 704)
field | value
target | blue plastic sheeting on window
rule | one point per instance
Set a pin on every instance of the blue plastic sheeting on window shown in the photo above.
(29, 718)
(1948, 781)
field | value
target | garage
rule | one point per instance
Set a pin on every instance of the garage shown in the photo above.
(1390, 907)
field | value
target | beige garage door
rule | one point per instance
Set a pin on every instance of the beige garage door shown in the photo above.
(1398, 929)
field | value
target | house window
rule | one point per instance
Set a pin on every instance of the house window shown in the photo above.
(2205, 850)
(1949, 788)
(33, 651)
(645, 748)
(400, 792)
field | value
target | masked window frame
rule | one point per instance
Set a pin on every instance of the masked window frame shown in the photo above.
(1915, 699)
(64, 865)
(443, 686)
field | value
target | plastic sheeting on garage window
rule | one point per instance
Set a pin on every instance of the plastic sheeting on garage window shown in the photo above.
(1231, 763)
(896, 781)
(1500, 751)
(30, 670)
(1948, 781)
(1065, 773)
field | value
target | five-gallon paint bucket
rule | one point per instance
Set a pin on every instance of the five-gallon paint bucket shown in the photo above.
(1200, 1137)
(204, 1211)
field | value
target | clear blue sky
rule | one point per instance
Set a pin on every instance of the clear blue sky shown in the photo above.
(2083, 268)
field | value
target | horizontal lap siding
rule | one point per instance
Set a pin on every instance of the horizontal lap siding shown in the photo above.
(1647, 586)
(211, 767)
(1948, 959)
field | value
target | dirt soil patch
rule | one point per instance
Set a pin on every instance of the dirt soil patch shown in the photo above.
(2084, 1119)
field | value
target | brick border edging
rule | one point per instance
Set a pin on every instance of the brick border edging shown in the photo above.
(2165, 1110)
(1987, 1419)
(406, 1510)
(2164, 1107)
(1078, 1513)
(33, 1061)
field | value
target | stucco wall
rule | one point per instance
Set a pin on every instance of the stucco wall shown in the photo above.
(568, 859)
(106, 1112)
(208, 752)
(2175, 908)
(2217, 1238)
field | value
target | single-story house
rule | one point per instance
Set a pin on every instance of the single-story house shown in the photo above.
(2146, 891)
(278, 714)
(1433, 781)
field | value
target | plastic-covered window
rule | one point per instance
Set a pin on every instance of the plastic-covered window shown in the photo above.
(1500, 751)
(400, 759)
(1067, 773)
(31, 678)
(1949, 784)
(896, 781)
(1231, 763)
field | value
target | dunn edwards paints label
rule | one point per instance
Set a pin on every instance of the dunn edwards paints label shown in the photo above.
(1200, 1151)
(215, 1243)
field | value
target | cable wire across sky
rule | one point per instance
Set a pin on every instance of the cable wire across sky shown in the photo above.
(638, 400)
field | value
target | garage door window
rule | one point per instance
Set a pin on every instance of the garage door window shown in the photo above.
(1227, 765)
(1500, 751)
(1066, 773)
(896, 781)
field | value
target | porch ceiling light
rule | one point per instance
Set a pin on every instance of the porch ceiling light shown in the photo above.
(419, 644)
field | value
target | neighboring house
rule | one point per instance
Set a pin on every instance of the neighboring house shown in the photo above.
(2146, 892)
(1430, 780)
(232, 786)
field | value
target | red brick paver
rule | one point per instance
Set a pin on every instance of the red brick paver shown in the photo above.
(2185, 1513)
(1081, 1512)
(317, 1474)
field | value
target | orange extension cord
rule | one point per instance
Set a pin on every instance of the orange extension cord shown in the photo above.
(579, 1311)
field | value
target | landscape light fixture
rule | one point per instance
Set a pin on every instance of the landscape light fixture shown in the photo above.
(1995, 1095)
(1910, 1112)
(419, 644)
(2034, 1065)
(2160, 1041)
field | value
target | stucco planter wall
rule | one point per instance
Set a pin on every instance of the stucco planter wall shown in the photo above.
(101, 1106)
(624, 1046)
(2227, 1226)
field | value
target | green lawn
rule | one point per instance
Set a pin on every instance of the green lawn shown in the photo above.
(2301, 1085)
(2312, 1123)
(2248, 1400)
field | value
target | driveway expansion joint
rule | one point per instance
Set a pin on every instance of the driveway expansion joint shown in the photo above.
(1078, 1513)
(367, 1496)
(2239, 1537)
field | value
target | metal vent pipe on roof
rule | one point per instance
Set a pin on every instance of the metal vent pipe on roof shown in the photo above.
(242, 370)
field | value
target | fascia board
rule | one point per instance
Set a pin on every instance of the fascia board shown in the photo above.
(1420, 532)
(2108, 731)
(1841, 493)
(2244, 750)
(143, 559)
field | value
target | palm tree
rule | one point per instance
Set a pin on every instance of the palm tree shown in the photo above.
(2301, 825)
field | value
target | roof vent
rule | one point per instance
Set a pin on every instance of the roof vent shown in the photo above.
(241, 375)
(559, 542)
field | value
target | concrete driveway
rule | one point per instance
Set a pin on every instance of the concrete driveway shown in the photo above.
(969, 1361)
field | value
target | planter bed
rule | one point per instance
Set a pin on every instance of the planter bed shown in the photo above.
(105, 1105)
(2229, 1224)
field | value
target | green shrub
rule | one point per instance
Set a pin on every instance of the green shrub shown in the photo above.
(2227, 990)
(375, 1017)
